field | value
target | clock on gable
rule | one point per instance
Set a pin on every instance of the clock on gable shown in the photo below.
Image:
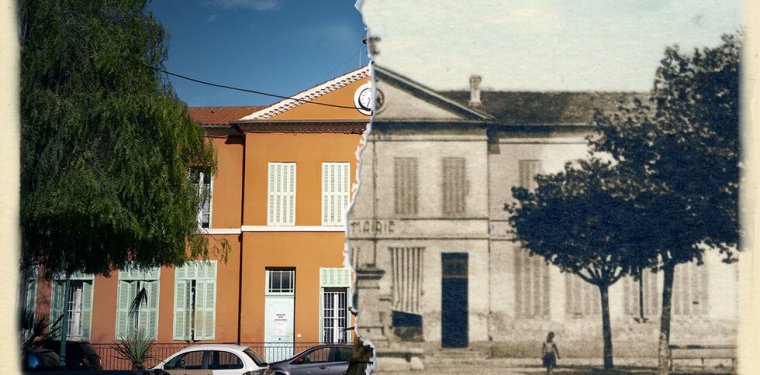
(363, 99)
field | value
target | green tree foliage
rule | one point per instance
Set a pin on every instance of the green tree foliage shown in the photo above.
(682, 149)
(106, 144)
(581, 220)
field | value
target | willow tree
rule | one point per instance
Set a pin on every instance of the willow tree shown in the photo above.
(106, 145)
(584, 221)
(682, 147)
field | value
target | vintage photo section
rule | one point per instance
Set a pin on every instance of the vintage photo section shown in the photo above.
(472, 101)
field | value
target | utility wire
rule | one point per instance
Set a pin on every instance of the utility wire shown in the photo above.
(242, 89)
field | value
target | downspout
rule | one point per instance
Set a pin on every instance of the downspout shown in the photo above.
(242, 216)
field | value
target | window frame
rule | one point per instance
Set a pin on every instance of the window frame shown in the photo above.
(85, 323)
(132, 275)
(191, 309)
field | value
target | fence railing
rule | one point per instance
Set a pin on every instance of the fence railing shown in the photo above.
(270, 351)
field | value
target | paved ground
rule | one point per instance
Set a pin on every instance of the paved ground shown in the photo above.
(501, 366)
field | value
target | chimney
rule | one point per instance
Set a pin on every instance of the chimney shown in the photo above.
(475, 91)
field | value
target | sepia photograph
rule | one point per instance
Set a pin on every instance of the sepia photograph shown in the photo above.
(379, 187)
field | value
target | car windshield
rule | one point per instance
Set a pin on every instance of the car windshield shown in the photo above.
(255, 357)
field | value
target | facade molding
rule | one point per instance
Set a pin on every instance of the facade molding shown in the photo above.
(294, 228)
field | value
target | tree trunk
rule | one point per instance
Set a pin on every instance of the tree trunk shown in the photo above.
(663, 357)
(606, 327)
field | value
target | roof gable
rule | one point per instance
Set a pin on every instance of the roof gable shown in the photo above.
(337, 92)
(407, 100)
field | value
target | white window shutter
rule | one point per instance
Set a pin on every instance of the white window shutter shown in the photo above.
(153, 296)
(281, 194)
(335, 192)
(87, 289)
(122, 309)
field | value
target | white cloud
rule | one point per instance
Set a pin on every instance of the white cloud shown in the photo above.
(256, 5)
(211, 18)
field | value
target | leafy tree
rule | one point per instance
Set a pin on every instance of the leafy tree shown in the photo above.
(106, 144)
(683, 150)
(580, 220)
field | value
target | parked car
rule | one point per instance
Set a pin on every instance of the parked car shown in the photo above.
(40, 359)
(328, 359)
(79, 355)
(221, 359)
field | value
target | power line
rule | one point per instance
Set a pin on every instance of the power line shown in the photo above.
(242, 89)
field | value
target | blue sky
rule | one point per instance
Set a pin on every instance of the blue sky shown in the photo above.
(277, 46)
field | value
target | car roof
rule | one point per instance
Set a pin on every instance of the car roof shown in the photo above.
(215, 347)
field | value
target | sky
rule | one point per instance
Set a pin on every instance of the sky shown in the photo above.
(286, 46)
(542, 45)
(276, 46)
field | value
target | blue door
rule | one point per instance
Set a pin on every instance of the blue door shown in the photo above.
(454, 300)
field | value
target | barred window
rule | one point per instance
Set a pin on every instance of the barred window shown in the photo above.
(405, 186)
(454, 186)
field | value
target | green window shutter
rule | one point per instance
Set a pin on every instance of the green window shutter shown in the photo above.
(153, 297)
(87, 289)
(125, 296)
(56, 307)
(181, 309)
(205, 309)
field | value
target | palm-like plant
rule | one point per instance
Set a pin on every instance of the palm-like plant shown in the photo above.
(136, 346)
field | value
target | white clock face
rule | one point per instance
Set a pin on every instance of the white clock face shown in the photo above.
(363, 99)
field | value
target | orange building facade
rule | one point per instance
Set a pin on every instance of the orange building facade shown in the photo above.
(286, 174)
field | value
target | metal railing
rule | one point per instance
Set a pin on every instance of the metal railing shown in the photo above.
(270, 351)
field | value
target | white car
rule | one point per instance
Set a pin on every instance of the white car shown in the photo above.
(216, 359)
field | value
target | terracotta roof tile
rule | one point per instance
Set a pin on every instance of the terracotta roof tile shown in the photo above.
(221, 115)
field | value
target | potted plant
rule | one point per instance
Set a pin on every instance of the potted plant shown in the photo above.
(136, 347)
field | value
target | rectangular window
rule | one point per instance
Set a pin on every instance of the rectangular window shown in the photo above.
(405, 186)
(336, 181)
(195, 301)
(281, 203)
(27, 299)
(202, 183)
(531, 286)
(581, 298)
(527, 170)
(641, 296)
(334, 284)
(454, 186)
(77, 304)
(133, 313)
(406, 278)
(281, 281)
(690, 295)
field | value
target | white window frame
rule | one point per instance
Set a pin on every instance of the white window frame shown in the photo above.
(197, 180)
(201, 272)
(269, 292)
(279, 212)
(336, 192)
(332, 280)
(126, 277)
(85, 317)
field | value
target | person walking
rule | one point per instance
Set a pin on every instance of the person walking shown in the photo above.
(550, 353)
